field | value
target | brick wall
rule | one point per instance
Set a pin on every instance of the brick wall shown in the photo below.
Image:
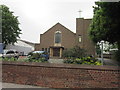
(61, 75)
(37, 46)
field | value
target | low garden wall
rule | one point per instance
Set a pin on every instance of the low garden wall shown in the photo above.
(60, 75)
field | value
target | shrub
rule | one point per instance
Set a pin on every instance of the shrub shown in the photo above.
(36, 57)
(9, 59)
(83, 60)
(75, 52)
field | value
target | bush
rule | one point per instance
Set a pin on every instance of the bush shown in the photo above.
(83, 60)
(9, 59)
(33, 57)
(36, 57)
(76, 55)
(75, 52)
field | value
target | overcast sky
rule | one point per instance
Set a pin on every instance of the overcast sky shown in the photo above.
(37, 16)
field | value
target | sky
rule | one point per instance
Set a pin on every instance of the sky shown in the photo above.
(37, 16)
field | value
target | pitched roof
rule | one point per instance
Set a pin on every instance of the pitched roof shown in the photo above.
(30, 43)
(61, 25)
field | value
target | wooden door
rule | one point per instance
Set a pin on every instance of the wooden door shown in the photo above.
(56, 52)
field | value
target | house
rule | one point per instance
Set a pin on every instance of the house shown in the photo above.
(59, 38)
(22, 46)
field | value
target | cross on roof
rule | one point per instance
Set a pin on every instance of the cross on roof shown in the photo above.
(79, 13)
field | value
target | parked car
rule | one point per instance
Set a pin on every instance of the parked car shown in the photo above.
(10, 54)
(39, 54)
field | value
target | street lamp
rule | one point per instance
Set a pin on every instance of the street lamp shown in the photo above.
(102, 51)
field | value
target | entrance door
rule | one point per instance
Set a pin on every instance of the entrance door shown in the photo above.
(56, 52)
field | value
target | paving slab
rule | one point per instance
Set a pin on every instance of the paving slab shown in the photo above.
(57, 61)
(12, 85)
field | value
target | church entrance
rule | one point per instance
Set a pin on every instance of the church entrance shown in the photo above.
(56, 51)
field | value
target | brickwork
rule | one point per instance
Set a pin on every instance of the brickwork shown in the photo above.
(37, 46)
(68, 38)
(61, 75)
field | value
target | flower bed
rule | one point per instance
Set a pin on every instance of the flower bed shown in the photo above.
(83, 60)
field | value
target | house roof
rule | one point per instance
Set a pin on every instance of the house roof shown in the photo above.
(30, 43)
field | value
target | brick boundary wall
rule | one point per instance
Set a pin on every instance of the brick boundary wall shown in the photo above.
(61, 75)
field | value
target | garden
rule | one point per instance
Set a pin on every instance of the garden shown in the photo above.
(76, 55)
(32, 57)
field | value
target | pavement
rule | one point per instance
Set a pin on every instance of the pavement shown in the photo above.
(57, 61)
(106, 61)
(13, 85)
(109, 62)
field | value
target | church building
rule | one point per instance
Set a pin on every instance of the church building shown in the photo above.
(59, 38)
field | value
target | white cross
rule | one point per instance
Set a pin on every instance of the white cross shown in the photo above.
(79, 13)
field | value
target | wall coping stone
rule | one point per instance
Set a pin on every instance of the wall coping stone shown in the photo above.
(70, 66)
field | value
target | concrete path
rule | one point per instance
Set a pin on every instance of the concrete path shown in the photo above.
(106, 61)
(57, 61)
(12, 85)
(109, 62)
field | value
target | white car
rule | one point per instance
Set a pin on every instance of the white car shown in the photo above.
(10, 54)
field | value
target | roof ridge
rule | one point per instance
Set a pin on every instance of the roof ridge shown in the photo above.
(61, 25)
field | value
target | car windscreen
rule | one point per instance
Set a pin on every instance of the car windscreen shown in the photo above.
(39, 52)
(10, 52)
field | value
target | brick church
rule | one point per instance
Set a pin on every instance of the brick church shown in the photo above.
(59, 38)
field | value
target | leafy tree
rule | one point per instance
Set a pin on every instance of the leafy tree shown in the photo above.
(105, 23)
(10, 26)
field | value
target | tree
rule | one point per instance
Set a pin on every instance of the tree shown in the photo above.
(10, 26)
(105, 23)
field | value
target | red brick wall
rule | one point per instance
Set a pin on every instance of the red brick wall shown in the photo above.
(61, 76)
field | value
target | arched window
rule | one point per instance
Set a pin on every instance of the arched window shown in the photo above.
(58, 37)
(80, 38)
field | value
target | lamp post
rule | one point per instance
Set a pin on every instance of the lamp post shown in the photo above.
(102, 52)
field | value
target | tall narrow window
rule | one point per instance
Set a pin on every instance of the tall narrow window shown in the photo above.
(79, 38)
(58, 37)
(42, 49)
(46, 49)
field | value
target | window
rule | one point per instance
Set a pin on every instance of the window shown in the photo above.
(46, 49)
(79, 38)
(42, 49)
(57, 37)
(10, 52)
